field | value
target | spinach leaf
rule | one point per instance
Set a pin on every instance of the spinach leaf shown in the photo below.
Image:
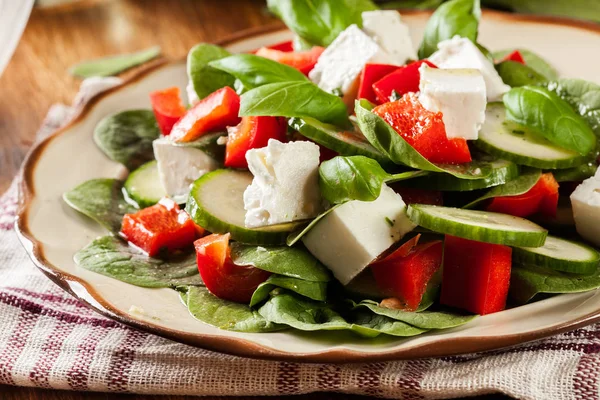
(204, 78)
(208, 143)
(101, 200)
(126, 137)
(583, 9)
(527, 281)
(533, 61)
(455, 17)
(312, 290)
(516, 74)
(254, 71)
(225, 314)
(320, 21)
(294, 262)
(110, 66)
(412, 4)
(515, 187)
(296, 235)
(294, 99)
(111, 256)
(575, 174)
(370, 325)
(584, 96)
(544, 111)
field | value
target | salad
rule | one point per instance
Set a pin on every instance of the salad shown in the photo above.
(348, 181)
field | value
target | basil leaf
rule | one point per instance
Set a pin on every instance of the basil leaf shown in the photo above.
(575, 174)
(515, 187)
(111, 256)
(254, 71)
(533, 61)
(203, 77)
(371, 325)
(294, 99)
(126, 137)
(544, 111)
(320, 21)
(113, 65)
(296, 235)
(412, 4)
(208, 143)
(516, 74)
(289, 261)
(101, 200)
(455, 17)
(527, 281)
(582, 9)
(312, 290)
(225, 314)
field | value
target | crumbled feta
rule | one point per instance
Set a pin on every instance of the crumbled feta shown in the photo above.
(386, 28)
(459, 94)
(585, 201)
(460, 52)
(285, 187)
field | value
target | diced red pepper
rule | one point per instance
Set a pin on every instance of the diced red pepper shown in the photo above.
(213, 113)
(221, 276)
(515, 56)
(476, 275)
(404, 275)
(283, 46)
(541, 198)
(167, 107)
(420, 196)
(424, 130)
(404, 80)
(302, 60)
(251, 133)
(160, 227)
(370, 74)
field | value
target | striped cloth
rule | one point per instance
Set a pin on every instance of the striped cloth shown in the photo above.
(50, 340)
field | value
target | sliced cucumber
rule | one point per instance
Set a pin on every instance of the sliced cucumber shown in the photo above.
(143, 185)
(510, 141)
(216, 203)
(481, 226)
(346, 143)
(560, 255)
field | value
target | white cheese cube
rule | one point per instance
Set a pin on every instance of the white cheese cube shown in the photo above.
(350, 237)
(462, 53)
(459, 94)
(342, 61)
(585, 201)
(180, 166)
(285, 187)
(387, 29)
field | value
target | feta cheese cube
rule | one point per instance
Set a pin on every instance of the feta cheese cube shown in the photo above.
(180, 166)
(459, 94)
(386, 28)
(460, 52)
(354, 234)
(585, 201)
(340, 64)
(285, 187)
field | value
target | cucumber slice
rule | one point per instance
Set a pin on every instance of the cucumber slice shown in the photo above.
(560, 255)
(481, 226)
(514, 142)
(216, 203)
(143, 185)
(345, 143)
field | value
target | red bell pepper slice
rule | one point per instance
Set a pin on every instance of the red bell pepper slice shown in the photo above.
(302, 60)
(286, 46)
(404, 80)
(424, 130)
(541, 198)
(252, 133)
(476, 275)
(370, 74)
(420, 196)
(213, 113)
(167, 107)
(515, 56)
(160, 227)
(221, 276)
(405, 274)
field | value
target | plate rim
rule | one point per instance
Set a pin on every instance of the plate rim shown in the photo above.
(85, 292)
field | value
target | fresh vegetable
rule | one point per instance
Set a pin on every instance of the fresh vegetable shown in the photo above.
(404, 80)
(288, 45)
(476, 275)
(304, 61)
(576, 174)
(204, 79)
(532, 60)
(167, 108)
(515, 56)
(516, 74)
(518, 186)
(369, 75)
(143, 185)
(313, 290)
(114, 65)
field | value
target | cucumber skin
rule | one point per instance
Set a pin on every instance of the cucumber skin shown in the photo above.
(524, 257)
(522, 239)
(139, 200)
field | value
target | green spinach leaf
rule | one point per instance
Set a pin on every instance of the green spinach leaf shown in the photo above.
(204, 78)
(111, 256)
(533, 61)
(515, 187)
(411, 4)
(582, 9)
(455, 17)
(370, 325)
(575, 174)
(101, 200)
(312, 290)
(515, 74)
(126, 137)
(544, 111)
(114, 65)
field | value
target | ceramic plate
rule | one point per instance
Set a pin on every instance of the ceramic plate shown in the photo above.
(52, 232)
